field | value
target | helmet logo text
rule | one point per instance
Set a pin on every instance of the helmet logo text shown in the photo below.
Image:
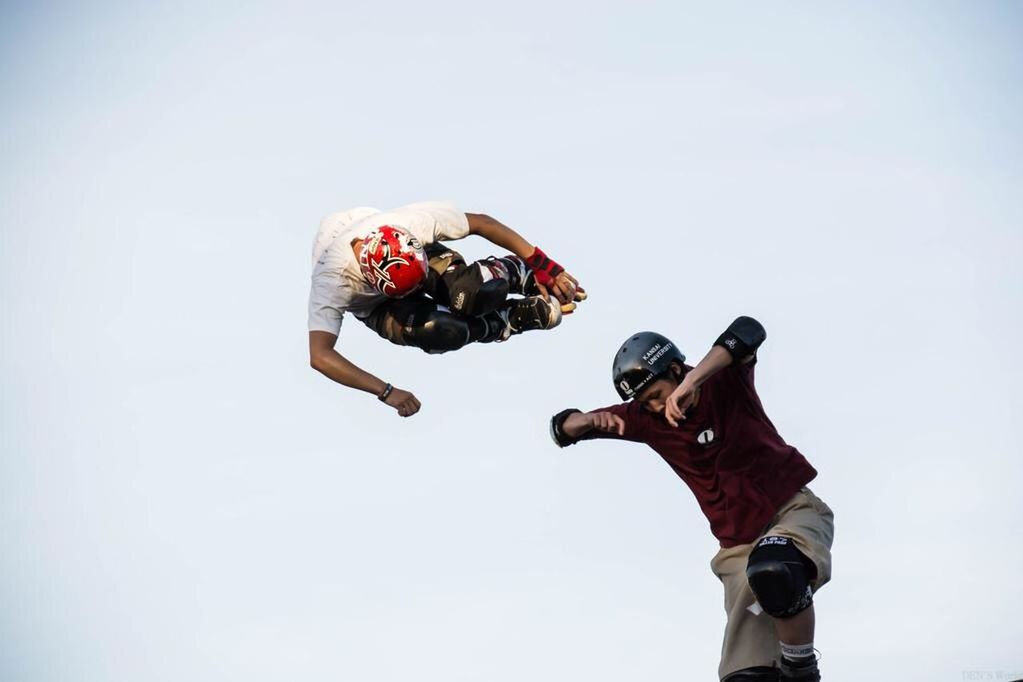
(656, 353)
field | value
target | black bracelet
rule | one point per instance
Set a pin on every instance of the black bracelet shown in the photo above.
(386, 393)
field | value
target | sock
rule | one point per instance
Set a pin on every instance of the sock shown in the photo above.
(800, 654)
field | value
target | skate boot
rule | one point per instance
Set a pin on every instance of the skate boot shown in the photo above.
(799, 671)
(756, 674)
(517, 316)
(532, 312)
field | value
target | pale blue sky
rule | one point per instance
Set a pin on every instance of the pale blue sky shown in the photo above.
(182, 498)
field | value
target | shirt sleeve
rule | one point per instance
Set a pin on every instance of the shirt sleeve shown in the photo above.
(325, 314)
(433, 221)
(744, 372)
(631, 413)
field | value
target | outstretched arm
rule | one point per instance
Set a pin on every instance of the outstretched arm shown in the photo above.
(570, 426)
(328, 362)
(500, 234)
(549, 275)
(738, 343)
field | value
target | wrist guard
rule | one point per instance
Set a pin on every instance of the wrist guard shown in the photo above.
(742, 338)
(557, 422)
(544, 269)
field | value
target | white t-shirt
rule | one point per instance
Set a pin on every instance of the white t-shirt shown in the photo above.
(338, 284)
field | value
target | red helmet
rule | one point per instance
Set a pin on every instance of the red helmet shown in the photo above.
(393, 261)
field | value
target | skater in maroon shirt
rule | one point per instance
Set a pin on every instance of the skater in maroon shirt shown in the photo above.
(708, 424)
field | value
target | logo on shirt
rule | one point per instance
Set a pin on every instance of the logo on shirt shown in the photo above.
(706, 437)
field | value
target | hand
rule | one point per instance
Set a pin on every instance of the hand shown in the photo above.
(680, 400)
(566, 289)
(605, 421)
(404, 402)
(551, 277)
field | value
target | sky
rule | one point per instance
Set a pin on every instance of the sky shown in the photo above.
(182, 497)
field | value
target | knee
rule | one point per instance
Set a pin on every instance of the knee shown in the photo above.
(477, 290)
(779, 576)
(440, 332)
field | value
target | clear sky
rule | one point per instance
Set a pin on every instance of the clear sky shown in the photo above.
(183, 498)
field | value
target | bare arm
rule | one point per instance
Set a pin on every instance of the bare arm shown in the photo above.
(713, 362)
(581, 423)
(331, 364)
(738, 343)
(569, 426)
(500, 234)
(564, 286)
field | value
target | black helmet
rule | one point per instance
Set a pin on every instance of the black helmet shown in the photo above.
(641, 359)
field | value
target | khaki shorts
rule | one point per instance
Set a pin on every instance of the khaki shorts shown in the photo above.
(750, 639)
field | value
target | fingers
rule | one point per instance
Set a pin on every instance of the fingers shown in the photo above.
(677, 403)
(567, 308)
(406, 405)
(567, 287)
(571, 287)
(672, 412)
(669, 407)
(543, 291)
(559, 291)
(619, 424)
(409, 407)
(611, 423)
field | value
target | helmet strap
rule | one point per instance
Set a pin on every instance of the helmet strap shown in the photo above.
(677, 371)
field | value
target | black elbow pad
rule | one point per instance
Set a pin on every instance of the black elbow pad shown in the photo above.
(742, 338)
(557, 421)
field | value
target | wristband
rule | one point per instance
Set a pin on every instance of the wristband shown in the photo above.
(557, 425)
(543, 267)
(386, 393)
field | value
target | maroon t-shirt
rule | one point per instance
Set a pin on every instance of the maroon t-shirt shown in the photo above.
(727, 451)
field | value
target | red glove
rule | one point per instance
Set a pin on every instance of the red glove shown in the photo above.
(543, 267)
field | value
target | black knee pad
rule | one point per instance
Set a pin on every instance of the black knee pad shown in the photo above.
(437, 332)
(758, 674)
(779, 575)
(476, 290)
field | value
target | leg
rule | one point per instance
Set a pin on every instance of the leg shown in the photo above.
(786, 567)
(473, 289)
(798, 628)
(780, 577)
(420, 322)
(750, 647)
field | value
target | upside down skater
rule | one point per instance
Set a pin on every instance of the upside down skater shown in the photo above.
(393, 272)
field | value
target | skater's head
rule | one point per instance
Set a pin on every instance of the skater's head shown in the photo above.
(653, 395)
(392, 260)
(647, 368)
